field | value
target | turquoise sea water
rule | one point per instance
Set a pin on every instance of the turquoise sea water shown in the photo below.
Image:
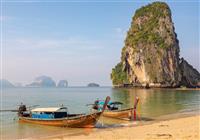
(153, 105)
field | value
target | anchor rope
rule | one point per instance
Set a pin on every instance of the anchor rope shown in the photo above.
(139, 110)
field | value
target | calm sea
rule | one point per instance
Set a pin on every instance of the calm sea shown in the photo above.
(154, 104)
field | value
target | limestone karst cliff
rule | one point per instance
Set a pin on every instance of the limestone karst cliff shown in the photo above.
(150, 56)
(42, 81)
(190, 76)
(62, 84)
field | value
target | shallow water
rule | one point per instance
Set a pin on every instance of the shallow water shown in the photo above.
(154, 103)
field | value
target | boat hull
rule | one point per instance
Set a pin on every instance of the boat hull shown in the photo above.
(78, 121)
(120, 114)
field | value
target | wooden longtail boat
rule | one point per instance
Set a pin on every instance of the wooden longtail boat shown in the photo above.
(59, 116)
(120, 114)
(113, 110)
(72, 120)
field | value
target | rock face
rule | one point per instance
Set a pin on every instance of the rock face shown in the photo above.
(93, 85)
(150, 57)
(6, 84)
(43, 81)
(62, 84)
(190, 76)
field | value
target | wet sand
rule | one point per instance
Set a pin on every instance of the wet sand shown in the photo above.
(187, 128)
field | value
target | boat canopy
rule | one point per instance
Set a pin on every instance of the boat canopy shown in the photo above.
(49, 109)
(102, 102)
(110, 103)
(116, 103)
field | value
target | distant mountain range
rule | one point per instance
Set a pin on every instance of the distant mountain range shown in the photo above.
(42, 82)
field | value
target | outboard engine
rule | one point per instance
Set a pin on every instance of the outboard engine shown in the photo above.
(21, 110)
(96, 105)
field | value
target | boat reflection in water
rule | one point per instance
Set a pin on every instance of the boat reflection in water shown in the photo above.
(155, 102)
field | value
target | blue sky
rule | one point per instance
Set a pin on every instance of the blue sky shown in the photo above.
(80, 41)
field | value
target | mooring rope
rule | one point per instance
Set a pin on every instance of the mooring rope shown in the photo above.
(139, 110)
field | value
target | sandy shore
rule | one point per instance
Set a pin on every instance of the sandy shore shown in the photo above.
(177, 129)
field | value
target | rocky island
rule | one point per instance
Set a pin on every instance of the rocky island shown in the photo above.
(93, 85)
(42, 81)
(6, 84)
(150, 56)
(62, 84)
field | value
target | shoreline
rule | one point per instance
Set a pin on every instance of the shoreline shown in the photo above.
(161, 88)
(187, 128)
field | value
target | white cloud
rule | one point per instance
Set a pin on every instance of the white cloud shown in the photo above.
(5, 18)
(53, 45)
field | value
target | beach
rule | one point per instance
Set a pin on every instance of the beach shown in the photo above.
(155, 105)
(187, 128)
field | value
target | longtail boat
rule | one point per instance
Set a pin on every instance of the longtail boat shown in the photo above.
(114, 110)
(58, 116)
(120, 114)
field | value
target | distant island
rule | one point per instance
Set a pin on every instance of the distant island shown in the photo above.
(93, 85)
(150, 56)
(62, 84)
(39, 82)
(47, 82)
(6, 84)
(42, 81)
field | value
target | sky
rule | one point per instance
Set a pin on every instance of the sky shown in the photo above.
(80, 41)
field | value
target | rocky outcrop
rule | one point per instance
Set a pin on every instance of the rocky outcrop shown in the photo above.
(150, 57)
(190, 76)
(43, 81)
(62, 84)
